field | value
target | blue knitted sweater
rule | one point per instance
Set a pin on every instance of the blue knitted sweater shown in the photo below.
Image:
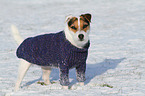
(54, 50)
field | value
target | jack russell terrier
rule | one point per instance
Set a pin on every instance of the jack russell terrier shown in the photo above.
(65, 50)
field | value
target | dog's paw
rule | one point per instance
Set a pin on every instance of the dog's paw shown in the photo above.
(16, 89)
(81, 83)
(65, 87)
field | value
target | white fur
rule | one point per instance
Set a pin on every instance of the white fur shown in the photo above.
(24, 65)
(68, 18)
(78, 22)
(46, 73)
(73, 37)
(16, 34)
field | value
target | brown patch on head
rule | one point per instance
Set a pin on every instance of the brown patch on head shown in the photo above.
(84, 26)
(87, 17)
(73, 24)
(85, 20)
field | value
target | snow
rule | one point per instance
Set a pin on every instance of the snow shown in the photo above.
(116, 56)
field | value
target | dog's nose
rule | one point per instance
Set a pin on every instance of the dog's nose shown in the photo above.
(81, 37)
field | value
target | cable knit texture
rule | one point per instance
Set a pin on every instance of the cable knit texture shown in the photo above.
(54, 50)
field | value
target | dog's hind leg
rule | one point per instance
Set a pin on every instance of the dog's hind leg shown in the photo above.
(46, 73)
(23, 67)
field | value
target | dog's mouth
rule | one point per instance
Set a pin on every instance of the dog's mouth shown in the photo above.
(81, 39)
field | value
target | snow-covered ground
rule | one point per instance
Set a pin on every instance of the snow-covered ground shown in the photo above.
(116, 56)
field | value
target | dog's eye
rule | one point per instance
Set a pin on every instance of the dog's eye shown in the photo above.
(85, 26)
(73, 27)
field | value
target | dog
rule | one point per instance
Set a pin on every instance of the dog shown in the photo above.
(65, 50)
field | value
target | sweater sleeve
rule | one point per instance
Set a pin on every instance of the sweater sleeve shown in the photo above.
(64, 67)
(80, 72)
(64, 71)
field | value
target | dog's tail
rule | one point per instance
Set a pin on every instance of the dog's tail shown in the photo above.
(16, 34)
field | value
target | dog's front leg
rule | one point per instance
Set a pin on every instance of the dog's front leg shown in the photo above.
(80, 72)
(64, 78)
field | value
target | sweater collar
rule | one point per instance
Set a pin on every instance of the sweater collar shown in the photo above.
(74, 48)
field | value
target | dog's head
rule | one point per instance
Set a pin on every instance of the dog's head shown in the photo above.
(77, 29)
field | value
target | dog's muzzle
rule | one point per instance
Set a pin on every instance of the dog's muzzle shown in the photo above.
(81, 37)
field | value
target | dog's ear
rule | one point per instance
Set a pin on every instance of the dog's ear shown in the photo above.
(67, 18)
(87, 16)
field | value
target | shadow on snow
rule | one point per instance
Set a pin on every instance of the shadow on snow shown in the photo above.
(92, 71)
